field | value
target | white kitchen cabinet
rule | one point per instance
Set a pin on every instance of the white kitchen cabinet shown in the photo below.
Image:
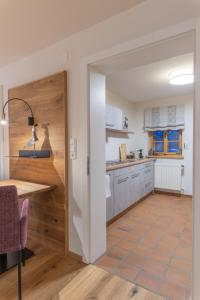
(114, 117)
(110, 200)
(121, 193)
(134, 188)
(129, 185)
(147, 179)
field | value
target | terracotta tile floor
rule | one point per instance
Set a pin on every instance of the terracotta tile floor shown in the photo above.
(152, 246)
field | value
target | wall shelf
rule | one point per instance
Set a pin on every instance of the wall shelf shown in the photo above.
(123, 131)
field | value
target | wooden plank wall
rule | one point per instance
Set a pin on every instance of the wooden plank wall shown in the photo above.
(48, 98)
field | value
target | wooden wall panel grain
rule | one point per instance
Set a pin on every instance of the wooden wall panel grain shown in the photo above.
(48, 99)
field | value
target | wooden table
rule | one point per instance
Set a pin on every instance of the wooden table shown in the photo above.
(24, 189)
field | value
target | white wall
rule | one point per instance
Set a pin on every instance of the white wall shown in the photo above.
(113, 140)
(141, 137)
(68, 55)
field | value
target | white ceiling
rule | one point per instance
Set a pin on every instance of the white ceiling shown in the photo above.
(150, 82)
(142, 74)
(27, 26)
(179, 45)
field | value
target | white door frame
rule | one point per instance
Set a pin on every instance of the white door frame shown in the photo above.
(170, 32)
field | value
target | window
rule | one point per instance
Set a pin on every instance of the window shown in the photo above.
(166, 143)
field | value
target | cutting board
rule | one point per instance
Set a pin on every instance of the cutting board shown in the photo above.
(123, 152)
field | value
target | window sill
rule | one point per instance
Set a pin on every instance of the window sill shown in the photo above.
(167, 156)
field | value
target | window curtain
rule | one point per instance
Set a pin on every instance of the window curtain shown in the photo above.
(164, 118)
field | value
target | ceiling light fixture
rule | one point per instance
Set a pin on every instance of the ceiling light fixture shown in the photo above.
(181, 77)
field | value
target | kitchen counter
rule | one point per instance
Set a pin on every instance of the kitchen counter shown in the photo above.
(126, 184)
(128, 163)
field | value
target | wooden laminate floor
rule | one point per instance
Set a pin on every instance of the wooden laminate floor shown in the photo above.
(44, 275)
(95, 283)
(151, 246)
(49, 275)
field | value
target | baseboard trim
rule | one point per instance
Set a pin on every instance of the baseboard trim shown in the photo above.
(168, 192)
(171, 193)
(127, 209)
(187, 196)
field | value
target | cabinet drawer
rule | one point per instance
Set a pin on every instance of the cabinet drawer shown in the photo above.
(135, 187)
(148, 165)
(135, 168)
(130, 184)
(122, 179)
(134, 175)
(121, 172)
(121, 193)
(148, 173)
(148, 170)
(148, 187)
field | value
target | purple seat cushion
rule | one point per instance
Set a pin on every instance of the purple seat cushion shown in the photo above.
(13, 226)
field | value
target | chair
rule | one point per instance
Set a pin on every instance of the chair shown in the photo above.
(13, 226)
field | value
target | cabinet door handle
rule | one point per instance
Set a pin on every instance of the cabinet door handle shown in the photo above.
(134, 176)
(182, 170)
(148, 166)
(122, 180)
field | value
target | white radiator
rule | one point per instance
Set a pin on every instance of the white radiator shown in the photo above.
(168, 177)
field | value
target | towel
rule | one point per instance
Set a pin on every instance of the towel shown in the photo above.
(108, 191)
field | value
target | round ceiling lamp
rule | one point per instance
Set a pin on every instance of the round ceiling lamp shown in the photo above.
(181, 77)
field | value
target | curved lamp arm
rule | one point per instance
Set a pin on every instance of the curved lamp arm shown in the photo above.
(31, 121)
